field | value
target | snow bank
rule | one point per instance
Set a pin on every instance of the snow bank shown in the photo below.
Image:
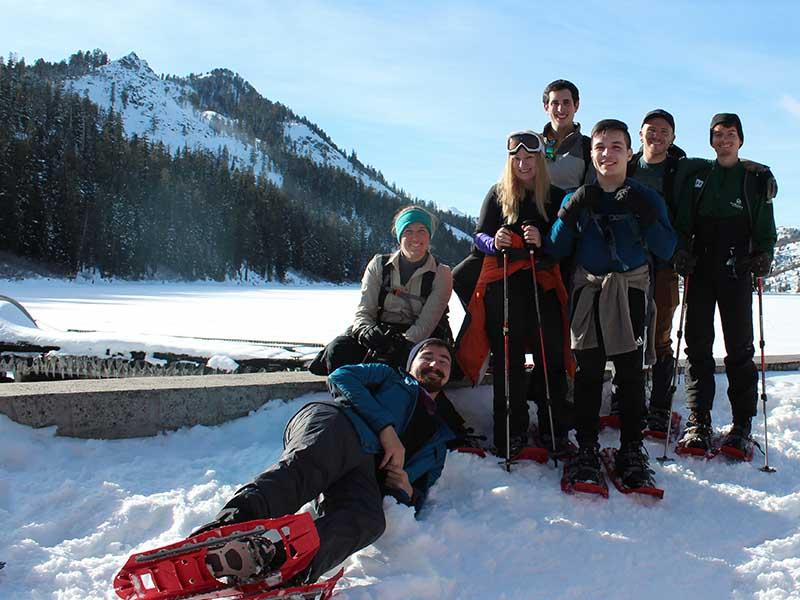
(73, 510)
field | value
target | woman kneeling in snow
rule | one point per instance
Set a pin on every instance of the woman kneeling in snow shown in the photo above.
(404, 298)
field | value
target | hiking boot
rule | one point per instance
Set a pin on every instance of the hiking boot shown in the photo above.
(245, 559)
(564, 447)
(633, 467)
(518, 442)
(585, 467)
(698, 431)
(738, 437)
(658, 420)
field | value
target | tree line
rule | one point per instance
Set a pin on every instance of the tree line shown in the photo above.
(76, 194)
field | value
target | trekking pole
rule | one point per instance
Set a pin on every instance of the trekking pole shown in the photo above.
(531, 252)
(673, 384)
(760, 286)
(507, 362)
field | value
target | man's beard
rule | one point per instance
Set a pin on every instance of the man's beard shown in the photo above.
(432, 384)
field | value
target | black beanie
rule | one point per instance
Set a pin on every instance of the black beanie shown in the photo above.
(728, 120)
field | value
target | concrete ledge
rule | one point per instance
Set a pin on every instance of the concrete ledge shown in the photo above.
(145, 406)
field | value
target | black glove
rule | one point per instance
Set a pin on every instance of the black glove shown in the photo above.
(763, 172)
(248, 504)
(758, 263)
(374, 338)
(586, 197)
(684, 262)
(635, 202)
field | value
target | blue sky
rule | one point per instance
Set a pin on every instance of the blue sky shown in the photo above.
(426, 91)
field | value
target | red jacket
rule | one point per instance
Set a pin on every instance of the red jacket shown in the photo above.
(473, 343)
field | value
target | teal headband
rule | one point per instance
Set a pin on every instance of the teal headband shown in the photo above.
(414, 215)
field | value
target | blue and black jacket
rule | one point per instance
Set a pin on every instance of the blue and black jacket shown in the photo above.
(374, 396)
(609, 239)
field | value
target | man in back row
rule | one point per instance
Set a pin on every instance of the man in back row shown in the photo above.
(568, 151)
(727, 236)
(656, 166)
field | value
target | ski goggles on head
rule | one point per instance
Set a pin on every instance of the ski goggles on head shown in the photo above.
(524, 140)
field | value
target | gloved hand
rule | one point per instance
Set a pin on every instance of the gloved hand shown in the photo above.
(684, 262)
(764, 172)
(635, 202)
(586, 197)
(248, 504)
(758, 263)
(374, 338)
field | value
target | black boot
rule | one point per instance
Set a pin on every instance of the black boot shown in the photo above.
(564, 447)
(698, 431)
(739, 436)
(585, 467)
(633, 467)
(517, 443)
(658, 419)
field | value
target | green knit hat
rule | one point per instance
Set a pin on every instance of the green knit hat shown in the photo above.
(413, 215)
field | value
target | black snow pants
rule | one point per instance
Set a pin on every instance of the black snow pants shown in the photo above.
(523, 330)
(628, 377)
(715, 282)
(323, 455)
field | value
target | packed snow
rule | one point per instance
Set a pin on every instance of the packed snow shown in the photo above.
(171, 317)
(73, 510)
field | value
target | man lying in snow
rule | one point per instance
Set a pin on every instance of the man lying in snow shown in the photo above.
(385, 433)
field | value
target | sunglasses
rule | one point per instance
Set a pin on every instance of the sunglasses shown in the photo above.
(524, 140)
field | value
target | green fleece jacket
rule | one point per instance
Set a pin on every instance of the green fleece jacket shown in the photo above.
(708, 190)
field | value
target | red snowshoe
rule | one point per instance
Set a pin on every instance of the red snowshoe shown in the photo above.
(659, 434)
(737, 444)
(612, 421)
(608, 457)
(255, 557)
(583, 474)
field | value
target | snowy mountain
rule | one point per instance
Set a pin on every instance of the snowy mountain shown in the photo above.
(132, 174)
(785, 275)
(162, 111)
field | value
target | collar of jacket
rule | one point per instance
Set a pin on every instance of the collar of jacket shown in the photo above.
(430, 264)
(548, 133)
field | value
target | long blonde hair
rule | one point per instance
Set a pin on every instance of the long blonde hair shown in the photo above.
(511, 191)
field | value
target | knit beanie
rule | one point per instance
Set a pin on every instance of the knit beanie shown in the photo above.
(728, 120)
(419, 346)
(413, 215)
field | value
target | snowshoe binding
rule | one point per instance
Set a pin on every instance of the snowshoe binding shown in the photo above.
(737, 443)
(565, 449)
(656, 427)
(629, 470)
(583, 473)
(254, 557)
(697, 436)
(521, 449)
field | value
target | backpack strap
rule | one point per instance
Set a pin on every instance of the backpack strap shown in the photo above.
(386, 282)
(586, 144)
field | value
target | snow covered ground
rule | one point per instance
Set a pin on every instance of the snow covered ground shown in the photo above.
(73, 510)
(145, 313)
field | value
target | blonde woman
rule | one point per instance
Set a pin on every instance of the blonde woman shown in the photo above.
(404, 298)
(517, 215)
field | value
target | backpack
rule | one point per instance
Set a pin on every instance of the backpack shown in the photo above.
(442, 329)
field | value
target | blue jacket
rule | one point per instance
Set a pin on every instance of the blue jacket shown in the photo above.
(610, 239)
(374, 396)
